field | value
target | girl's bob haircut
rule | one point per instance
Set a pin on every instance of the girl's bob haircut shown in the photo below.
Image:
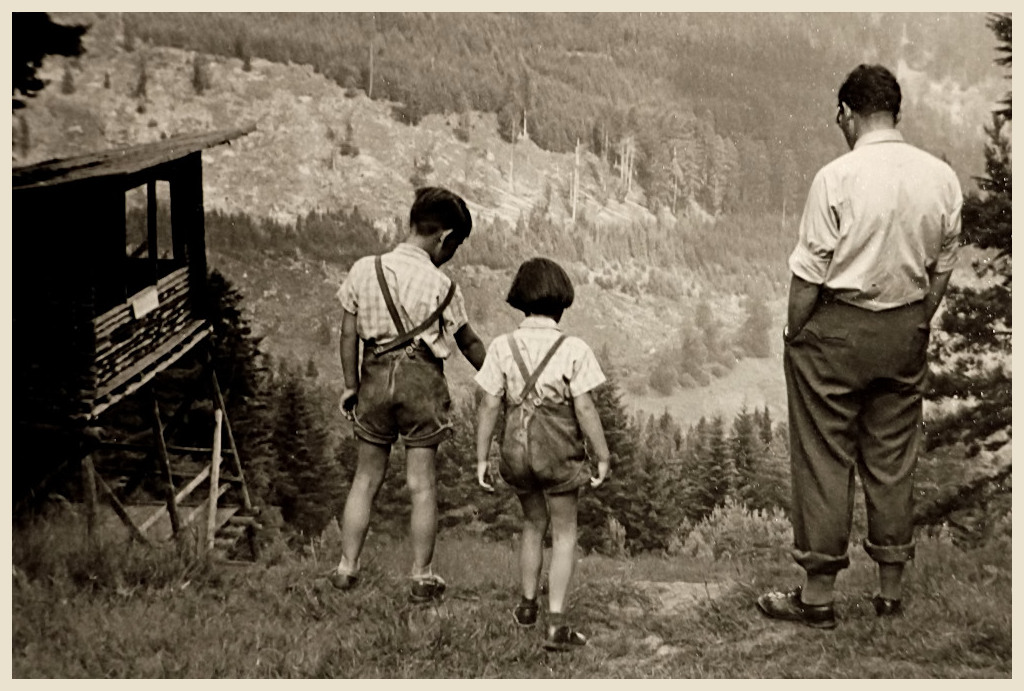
(541, 286)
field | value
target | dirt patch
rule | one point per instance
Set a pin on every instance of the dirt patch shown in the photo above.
(682, 597)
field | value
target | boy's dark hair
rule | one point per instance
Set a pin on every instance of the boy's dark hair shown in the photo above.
(436, 209)
(871, 89)
(541, 286)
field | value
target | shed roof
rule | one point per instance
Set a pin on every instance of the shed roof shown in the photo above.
(120, 161)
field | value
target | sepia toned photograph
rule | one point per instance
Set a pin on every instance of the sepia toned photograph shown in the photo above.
(561, 345)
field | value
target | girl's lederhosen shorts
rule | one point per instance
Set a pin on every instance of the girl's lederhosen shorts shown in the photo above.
(543, 450)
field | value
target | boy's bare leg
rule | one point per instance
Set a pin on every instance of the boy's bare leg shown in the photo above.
(370, 468)
(562, 508)
(420, 478)
(531, 542)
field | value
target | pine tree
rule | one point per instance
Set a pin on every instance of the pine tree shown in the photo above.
(710, 468)
(67, 82)
(141, 80)
(308, 479)
(746, 450)
(971, 365)
(200, 74)
(754, 333)
(34, 36)
(979, 321)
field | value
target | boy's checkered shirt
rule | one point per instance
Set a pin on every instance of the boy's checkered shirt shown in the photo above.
(417, 287)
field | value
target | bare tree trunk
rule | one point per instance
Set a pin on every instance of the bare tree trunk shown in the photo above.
(373, 33)
(576, 181)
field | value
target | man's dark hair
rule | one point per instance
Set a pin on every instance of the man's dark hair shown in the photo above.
(436, 209)
(871, 89)
(541, 286)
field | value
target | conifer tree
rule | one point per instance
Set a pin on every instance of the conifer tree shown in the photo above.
(67, 82)
(754, 334)
(34, 36)
(308, 479)
(971, 365)
(974, 363)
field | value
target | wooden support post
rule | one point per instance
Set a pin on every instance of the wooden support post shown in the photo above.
(151, 235)
(121, 512)
(179, 415)
(211, 517)
(235, 459)
(165, 465)
(89, 494)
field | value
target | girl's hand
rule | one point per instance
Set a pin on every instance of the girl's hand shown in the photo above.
(603, 466)
(481, 477)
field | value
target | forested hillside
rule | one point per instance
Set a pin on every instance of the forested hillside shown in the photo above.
(729, 111)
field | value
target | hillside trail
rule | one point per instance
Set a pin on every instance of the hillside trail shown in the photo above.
(675, 602)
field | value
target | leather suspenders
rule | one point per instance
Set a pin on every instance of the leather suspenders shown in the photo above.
(404, 337)
(531, 379)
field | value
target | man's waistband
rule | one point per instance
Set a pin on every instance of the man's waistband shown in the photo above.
(830, 297)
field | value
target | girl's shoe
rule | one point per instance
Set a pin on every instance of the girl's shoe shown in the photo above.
(562, 638)
(344, 581)
(525, 613)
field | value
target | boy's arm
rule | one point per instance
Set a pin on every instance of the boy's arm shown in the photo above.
(487, 419)
(471, 345)
(593, 430)
(349, 348)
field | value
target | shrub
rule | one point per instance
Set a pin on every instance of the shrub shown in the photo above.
(662, 380)
(686, 381)
(733, 531)
(718, 370)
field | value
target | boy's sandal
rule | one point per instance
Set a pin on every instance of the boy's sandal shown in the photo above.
(562, 638)
(427, 588)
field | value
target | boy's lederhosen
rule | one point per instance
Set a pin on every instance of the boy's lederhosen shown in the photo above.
(402, 387)
(541, 444)
(850, 369)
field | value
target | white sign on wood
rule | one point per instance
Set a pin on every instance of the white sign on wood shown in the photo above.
(145, 301)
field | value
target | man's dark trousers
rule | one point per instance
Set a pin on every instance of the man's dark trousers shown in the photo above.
(854, 380)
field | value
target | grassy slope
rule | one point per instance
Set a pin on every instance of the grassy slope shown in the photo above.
(284, 620)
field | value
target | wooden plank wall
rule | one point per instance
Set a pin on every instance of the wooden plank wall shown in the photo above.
(122, 340)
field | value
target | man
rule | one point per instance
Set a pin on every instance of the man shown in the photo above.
(877, 243)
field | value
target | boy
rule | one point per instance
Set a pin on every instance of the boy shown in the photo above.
(401, 306)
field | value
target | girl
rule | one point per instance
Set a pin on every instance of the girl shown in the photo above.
(544, 378)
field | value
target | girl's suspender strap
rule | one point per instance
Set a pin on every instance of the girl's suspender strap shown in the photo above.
(531, 379)
(404, 338)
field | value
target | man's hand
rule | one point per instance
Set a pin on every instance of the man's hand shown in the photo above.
(349, 398)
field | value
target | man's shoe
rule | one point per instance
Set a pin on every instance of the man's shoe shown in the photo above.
(427, 588)
(525, 613)
(789, 607)
(884, 607)
(343, 581)
(562, 638)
